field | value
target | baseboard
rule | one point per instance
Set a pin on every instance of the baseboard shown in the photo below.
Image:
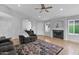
(73, 40)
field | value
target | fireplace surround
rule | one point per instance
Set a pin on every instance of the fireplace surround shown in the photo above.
(58, 34)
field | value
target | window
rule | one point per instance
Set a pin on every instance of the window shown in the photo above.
(73, 26)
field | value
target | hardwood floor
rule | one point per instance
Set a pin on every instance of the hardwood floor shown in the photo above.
(70, 48)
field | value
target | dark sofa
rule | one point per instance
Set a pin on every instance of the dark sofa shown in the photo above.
(31, 34)
(24, 40)
(6, 47)
(32, 37)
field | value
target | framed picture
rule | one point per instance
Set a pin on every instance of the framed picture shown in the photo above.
(47, 27)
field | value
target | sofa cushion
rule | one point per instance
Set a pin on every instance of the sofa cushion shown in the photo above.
(5, 43)
(6, 48)
(13, 52)
(4, 40)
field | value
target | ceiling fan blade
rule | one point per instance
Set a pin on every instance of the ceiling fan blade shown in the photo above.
(48, 7)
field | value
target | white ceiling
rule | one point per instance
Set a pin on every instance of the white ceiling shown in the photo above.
(2, 14)
(55, 12)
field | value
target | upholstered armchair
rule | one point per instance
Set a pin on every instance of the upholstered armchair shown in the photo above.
(31, 34)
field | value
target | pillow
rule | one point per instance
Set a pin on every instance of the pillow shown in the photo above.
(24, 34)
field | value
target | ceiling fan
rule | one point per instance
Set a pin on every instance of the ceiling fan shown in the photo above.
(43, 7)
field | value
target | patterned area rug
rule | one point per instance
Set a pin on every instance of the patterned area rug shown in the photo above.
(39, 48)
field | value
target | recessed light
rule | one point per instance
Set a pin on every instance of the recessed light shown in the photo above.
(19, 5)
(61, 9)
(39, 16)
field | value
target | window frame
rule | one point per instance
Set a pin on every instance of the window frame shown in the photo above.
(73, 27)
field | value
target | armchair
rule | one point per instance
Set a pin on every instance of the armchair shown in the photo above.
(31, 34)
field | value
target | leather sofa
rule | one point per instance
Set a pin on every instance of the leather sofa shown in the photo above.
(25, 40)
(6, 47)
(31, 34)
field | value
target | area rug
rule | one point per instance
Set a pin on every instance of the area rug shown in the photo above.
(39, 47)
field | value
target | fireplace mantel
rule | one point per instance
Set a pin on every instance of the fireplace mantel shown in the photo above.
(57, 29)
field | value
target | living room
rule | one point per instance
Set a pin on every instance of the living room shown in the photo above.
(50, 25)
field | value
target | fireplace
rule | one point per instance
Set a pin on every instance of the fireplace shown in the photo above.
(58, 34)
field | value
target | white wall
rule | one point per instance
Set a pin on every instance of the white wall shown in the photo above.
(38, 27)
(10, 22)
(34, 26)
(26, 24)
(64, 22)
(14, 25)
(53, 24)
(9, 27)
